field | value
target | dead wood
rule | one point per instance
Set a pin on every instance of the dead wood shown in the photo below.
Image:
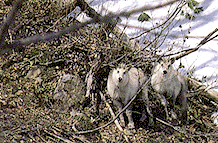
(113, 115)
(203, 89)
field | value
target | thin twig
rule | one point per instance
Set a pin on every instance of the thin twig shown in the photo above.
(174, 13)
(177, 128)
(75, 27)
(204, 41)
(113, 115)
(56, 136)
(52, 62)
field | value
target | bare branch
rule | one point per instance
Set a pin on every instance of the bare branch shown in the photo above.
(9, 19)
(209, 93)
(105, 19)
(207, 38)
(204, 41)
(113, 115)
(174, 13)
(87, 9)
(58, 137)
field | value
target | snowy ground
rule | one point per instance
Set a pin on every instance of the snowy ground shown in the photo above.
(204, 62)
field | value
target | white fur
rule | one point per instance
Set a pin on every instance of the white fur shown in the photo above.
(125, 89)
(121, 91)
(169, 83)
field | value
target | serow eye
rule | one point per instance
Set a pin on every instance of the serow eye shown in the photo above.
(118, 71)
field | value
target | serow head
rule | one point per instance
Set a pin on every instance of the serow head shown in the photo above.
(120, 74)
(165, 66)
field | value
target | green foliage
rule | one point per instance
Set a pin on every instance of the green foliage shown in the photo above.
(197, 10)
(144, 17)
(192, 4)
(42, 93)
(189, 16)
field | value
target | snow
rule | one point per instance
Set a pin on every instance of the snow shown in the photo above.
(202, 63)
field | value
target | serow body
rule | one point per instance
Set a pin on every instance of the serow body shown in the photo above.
(122, 85)
(170, 84)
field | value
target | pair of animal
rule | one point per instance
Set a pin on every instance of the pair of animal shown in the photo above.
(123, 83)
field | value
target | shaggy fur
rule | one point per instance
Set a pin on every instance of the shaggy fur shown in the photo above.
(168, 83)
(122, 85)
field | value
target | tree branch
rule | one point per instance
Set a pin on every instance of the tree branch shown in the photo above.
(204, 41)
(9, 19)
(104, 19)
(113, 115)
(175, 12)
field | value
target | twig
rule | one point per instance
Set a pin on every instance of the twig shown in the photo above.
(56, 136)
(174, 13)
(9, 19)
(40, 137)
(177, 128)
(90, 12)
(32, 137)
(28, 60)
(214, 103)
(89, 79)
(79, 138)
(73, 126)
(113, 115)
(114, 61)
(204, 41)
(98, 128)
(54, 24)
(52, 62)
(184, 130)
(210, 93)
(75, 27)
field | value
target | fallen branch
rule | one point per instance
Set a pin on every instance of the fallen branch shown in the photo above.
(176, 128)
(209, 93)
(113, 115)
(184, 130)
(9, 19)
(56, 136)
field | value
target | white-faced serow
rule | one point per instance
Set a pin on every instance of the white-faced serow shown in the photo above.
(122, 85)
(170, 84)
